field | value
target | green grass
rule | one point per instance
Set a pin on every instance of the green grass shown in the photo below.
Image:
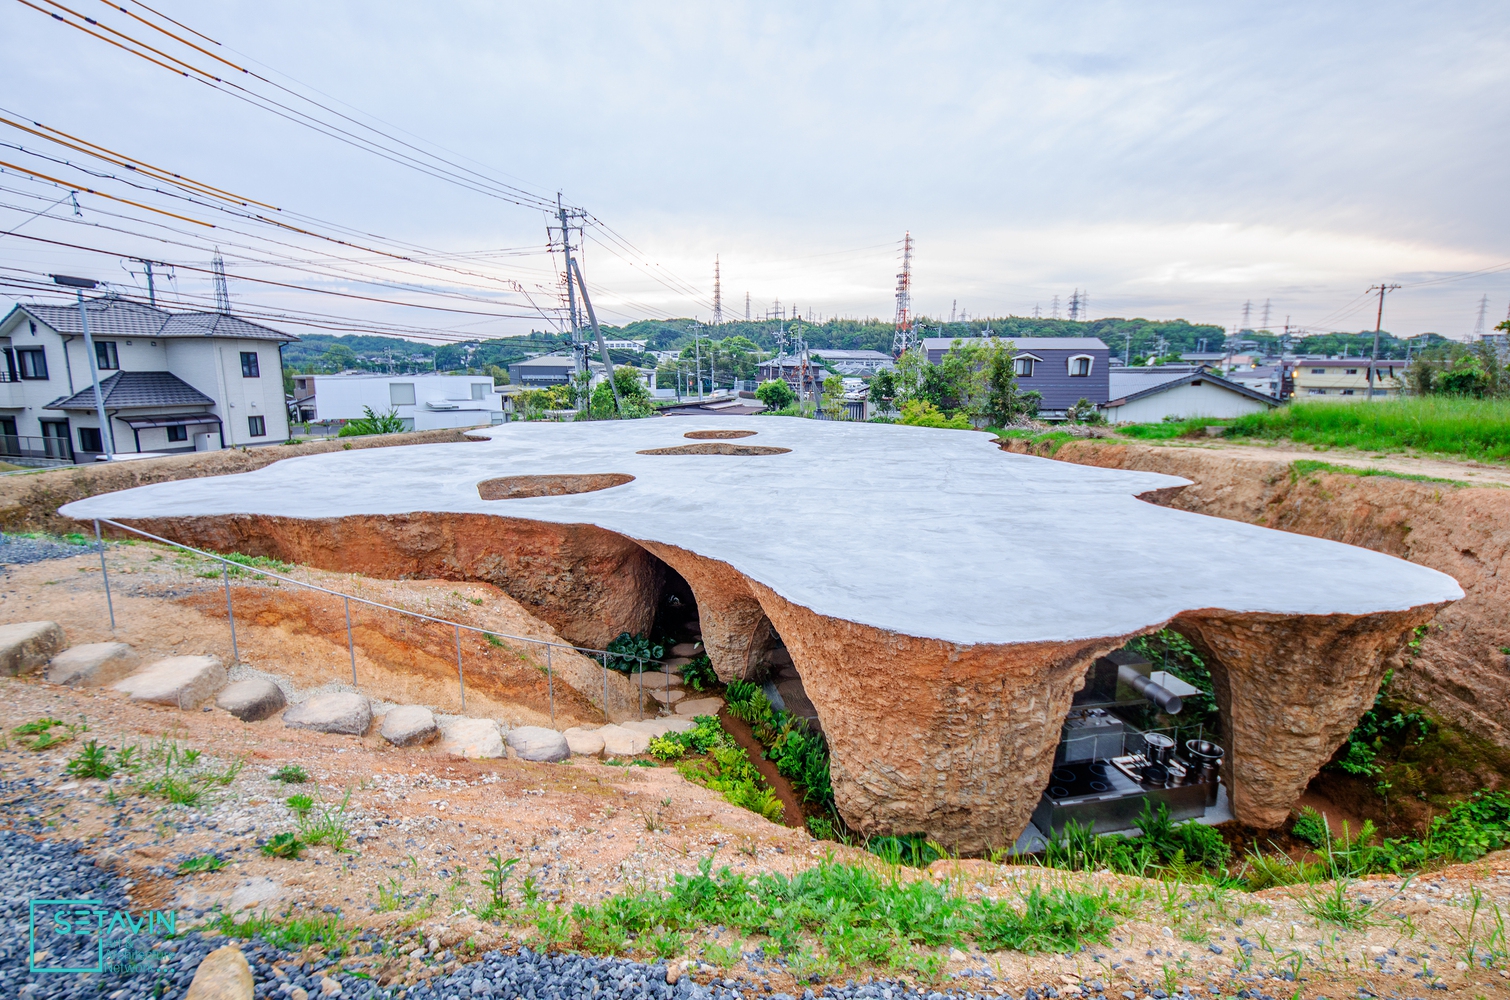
(1306, 467)
(236, 561)
(1054, 440)
(290, 933)
(202, 863)
(46, 733)
(291, 774)
(283, 845)
(1464, 428)
(91, 762)
(724, 766)
(852, 915)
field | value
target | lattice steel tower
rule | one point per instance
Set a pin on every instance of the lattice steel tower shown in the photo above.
(718, 294)
(902, 339)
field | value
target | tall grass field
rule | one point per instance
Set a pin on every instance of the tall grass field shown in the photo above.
(1468, 428)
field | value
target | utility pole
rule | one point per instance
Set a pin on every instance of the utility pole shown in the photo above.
(151, 288)
(107, 436)
(1373, 360)
(618, 407)
(697, 350)
(578, 347)
(718, 295)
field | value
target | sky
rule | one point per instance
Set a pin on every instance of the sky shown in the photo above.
(1170, 160)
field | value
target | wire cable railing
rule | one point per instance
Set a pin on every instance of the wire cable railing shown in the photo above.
(604, 656)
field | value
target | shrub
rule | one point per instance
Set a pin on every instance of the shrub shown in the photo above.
(291, 774)
(797, 752)
(921, 413)
(629, 654)
(775, 394)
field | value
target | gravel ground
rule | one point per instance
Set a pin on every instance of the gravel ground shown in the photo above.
(18, 551)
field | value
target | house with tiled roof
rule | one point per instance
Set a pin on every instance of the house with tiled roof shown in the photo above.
(170, 381)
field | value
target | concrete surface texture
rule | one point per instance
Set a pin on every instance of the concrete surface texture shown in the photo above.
(940, 598)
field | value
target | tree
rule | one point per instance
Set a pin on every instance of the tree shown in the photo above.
(634, 400)
(338, 357)
(882, 391)
(1084, 412)
(500, 375)
(833, 397)
(776, 394)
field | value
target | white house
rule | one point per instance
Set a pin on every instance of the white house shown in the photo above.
(423, 402)
(1147, 395)
(171, 381)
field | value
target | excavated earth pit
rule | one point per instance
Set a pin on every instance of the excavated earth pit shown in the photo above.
(941, 663)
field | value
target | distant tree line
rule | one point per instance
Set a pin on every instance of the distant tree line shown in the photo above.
(1479, 370)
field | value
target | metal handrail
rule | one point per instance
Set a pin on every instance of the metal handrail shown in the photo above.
(227, 563)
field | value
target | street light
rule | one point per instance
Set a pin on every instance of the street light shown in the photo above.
(107, 436)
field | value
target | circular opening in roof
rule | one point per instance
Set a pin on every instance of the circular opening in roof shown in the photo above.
(717, 435)
(716, 448)
(523, 487)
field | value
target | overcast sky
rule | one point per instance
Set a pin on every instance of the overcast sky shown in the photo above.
(1174, 160)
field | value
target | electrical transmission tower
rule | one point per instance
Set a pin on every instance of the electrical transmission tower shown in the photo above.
(718, 295)
(222, 293)
(1247, 323)
(1077, 305)
(1478, 327)
(902, 338)
(747, 307)
(1264, 326)
(1054, 309)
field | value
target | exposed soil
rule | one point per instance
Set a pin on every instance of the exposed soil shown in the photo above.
(715, 449)
(791, 803)
(717, 435)
(518, 487)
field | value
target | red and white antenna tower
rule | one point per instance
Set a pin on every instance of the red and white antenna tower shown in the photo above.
(903, 338)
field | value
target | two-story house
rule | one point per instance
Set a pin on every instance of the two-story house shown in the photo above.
(171, 381)
(423, 402)
(1063, 370)
(1346, 379)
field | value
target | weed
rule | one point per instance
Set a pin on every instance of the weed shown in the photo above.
(1467, 427)
(530, 890)
(493, 640)
(283, 845)
(724, 956)
(914, 850)
(725, 769)
(202, 863)
(291, 933)
(47, 733)
(821, 827)
(390, 896)
(698, 673)
(291, 774)
(91, 762)
(330, 827)
(1335, 906)
(554, 926)
(1483, 943)
(300, 804)
(494, 876)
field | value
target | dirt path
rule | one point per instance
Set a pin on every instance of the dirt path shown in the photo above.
(1470, 473)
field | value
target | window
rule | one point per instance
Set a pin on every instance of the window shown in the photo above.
(32, 362)
(249, 367)
(1080, 366)
(178, 432)
(256, 426)
(89, 439)
(1024, 367)
(1316, 392)
(401, 393)
(1381, 392)
(480, 390)
(1347, 392)
(105, 357)
(1318, 371)
(1351, 371)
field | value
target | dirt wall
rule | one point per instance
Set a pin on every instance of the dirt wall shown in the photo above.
(1458, 670)
(29, 501)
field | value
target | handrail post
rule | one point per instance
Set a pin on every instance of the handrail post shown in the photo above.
(642, 689)
(230, 614)
(550, 684)
(104, 573)
(605, 687)
(351, 646)
(460, 678)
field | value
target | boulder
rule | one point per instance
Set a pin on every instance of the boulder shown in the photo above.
(586, 742)
(538, 743)
(410, 725)
(621, 742)
(699, 706)
(668, 696)
(223, 974)
(25, 646)
(476, 738)
(91, 664)
(252, 700)
(343, 712)
(183, 681)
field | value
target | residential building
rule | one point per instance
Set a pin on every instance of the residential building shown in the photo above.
(853, 362)
(1150, 394)
(1063, 370)
(790, 368)
(422, 401)
(1267, 379)
(543, 372)
(624, 345)
(171, 382)
(1346, 379)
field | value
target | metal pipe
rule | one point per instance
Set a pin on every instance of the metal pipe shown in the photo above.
(550, 685)
(605, 687)
(642, 689)
(104, 573)
(229, 613)
(1161, 696)
(351, 646)
(460, 678)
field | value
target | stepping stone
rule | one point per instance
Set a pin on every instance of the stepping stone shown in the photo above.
(183, 681)
(686, 649)
(699, 706)
(410, 725)
(678, 725)
(693, 628)
(91, 664)
(660, 727)
(668, 696)
(344, 712)
(25, 646)
(661, 679)
(538, 743)
(780, 658)
(252, 700)
(586, 742)
(479, 739)
(675, 663)
(223, 974)
(619, 741)
(646, 726)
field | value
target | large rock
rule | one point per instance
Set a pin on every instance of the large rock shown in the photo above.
(621, 742)
(538, 743)
(25, 646)
(409, 726)
(251, 700)
(585, 742)
(344, 712)
(699, 706)
(476, 738)
(223, 974)
(182, 681)
(92, 664)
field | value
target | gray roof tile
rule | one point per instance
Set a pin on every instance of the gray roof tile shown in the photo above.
(135, 390)
(115, 317)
